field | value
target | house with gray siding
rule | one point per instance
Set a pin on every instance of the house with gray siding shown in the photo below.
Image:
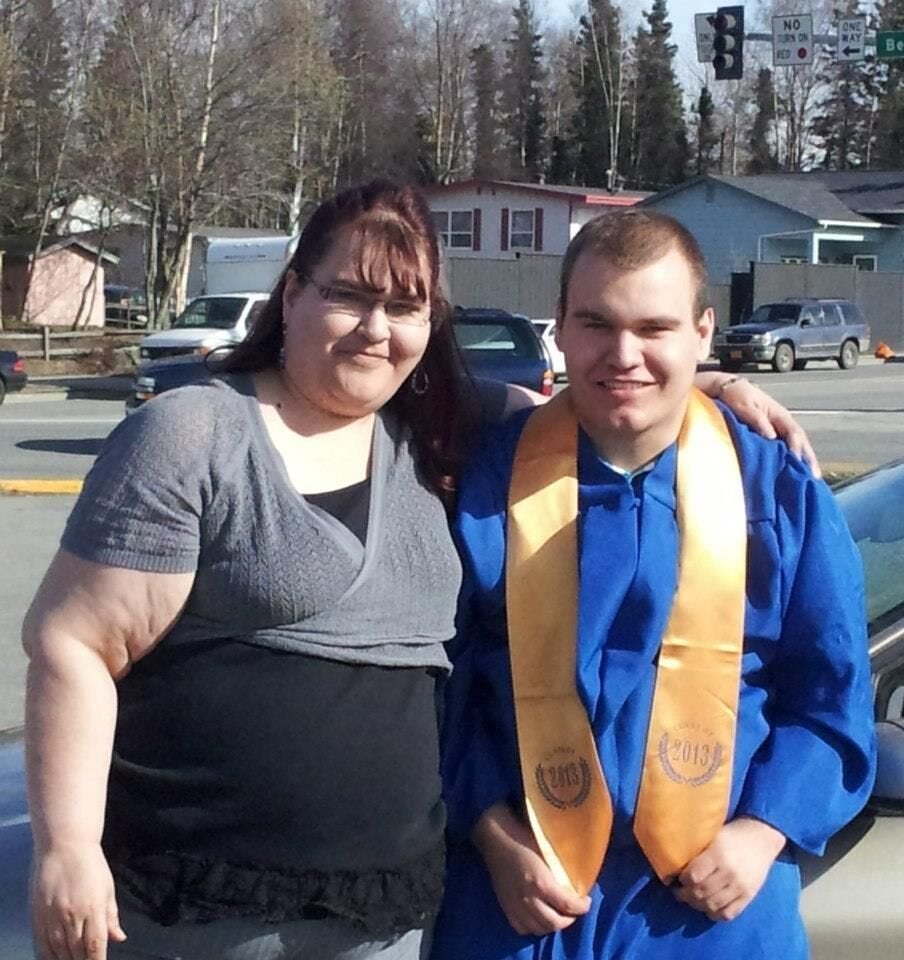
(853, 218)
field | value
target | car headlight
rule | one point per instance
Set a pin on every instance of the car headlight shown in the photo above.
(144, 353)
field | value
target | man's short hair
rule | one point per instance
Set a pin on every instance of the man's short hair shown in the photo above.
(630, 239)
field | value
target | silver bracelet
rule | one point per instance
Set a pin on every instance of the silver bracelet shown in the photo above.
(728, 383)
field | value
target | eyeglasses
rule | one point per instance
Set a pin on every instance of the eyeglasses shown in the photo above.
(356, 302)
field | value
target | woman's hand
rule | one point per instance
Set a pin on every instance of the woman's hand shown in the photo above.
(758, 410)
(722, 880)
(533, 901)
(73, 904)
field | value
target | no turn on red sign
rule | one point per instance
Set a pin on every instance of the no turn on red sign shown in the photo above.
(792, 40)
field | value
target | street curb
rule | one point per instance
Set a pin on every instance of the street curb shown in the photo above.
(41, 487)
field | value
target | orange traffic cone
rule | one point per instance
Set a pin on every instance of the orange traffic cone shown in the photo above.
(883, 351)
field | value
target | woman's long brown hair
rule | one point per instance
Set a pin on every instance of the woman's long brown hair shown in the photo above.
(397, 235)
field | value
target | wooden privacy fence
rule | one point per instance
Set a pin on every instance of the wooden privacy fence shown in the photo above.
(50, 344)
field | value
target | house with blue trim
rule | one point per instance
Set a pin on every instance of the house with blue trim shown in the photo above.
(849, 217)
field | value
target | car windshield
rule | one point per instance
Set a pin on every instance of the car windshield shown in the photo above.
(497, 339)
(778, 313)
(221, 313)
(873, 510)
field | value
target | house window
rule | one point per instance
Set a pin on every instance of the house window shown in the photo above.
(865, 261)
(794, 260)
(522, 235)
(455, 228)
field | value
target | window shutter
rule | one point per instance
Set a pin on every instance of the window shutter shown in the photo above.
(504, 237)
(475, 226)
(538, 229)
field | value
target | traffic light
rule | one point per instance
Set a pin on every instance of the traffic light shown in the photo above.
(728, 43)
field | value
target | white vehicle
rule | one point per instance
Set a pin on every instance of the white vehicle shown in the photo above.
(207, 323)
(546, 332)
(234, 264)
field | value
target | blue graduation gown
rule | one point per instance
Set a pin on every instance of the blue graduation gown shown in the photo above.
(804, 753)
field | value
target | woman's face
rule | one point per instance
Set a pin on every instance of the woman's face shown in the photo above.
(350, 347)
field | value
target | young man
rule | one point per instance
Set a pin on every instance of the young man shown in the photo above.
(662, 688)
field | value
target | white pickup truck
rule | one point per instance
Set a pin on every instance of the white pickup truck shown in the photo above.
(209, 322)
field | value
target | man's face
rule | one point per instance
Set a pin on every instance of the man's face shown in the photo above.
(632, 344)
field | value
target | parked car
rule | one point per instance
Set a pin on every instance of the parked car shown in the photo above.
(125, 306)
(852, 896)
(792, 332)
(497, 345)
(546, 330)
(157, 376)
(12, 373)
(205, 324)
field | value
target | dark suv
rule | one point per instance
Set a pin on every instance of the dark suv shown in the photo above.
(497, 345)
(789, 333)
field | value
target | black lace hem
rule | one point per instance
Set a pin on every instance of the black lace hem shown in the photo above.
(174, 887)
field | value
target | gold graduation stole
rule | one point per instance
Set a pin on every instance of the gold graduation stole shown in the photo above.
(686, 780)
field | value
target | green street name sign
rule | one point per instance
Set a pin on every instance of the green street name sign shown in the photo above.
(890, 45)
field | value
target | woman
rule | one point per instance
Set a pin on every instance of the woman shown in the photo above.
(230, 721)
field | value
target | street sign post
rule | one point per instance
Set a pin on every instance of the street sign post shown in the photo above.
(851, 39)
(703, 28)
(890, 45)
(792, 40)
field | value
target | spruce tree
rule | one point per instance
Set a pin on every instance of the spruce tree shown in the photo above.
(888, 151)
(485, 77)
(763, 158)
(844, 122)
(707, 138)
(659, 147)
(598, 80)
(522, 96)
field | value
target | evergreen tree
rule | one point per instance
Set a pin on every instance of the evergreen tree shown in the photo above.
(659, 147)
(598, 80)
(888, 150)
(763, 158)
(845, 119)
(707, 138)
(522, 97)
(486, 113)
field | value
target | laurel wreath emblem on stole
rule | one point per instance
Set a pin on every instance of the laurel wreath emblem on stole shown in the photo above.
(705, 755)
(564, 785)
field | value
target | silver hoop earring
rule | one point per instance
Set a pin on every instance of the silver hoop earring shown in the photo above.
(281, 358)
(420, 382)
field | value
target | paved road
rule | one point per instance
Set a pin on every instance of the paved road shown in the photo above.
(54, 438)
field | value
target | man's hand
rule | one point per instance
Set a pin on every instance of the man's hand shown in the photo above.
(532, 900)
(722, 880)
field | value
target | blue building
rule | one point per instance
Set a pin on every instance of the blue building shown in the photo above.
(851, 218)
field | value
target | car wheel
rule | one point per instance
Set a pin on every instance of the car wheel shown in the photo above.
(800, 364)
(730, 366)
(849, 355)
(2, 389)
(783, 361)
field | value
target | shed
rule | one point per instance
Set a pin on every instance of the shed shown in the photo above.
(67, 281)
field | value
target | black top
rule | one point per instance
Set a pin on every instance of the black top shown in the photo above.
(254, 782)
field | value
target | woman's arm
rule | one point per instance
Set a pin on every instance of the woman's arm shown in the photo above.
(758, 410)
(87, 624)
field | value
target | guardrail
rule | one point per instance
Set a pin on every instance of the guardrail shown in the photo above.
(45, 339)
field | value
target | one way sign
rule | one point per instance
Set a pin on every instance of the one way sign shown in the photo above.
(703, 27)
(851, 39)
